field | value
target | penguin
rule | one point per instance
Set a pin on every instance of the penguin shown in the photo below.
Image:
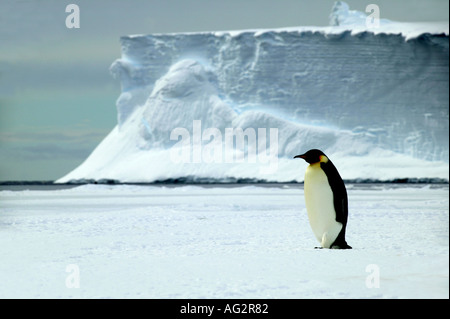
(326, 200)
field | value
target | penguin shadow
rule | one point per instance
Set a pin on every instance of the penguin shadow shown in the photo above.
(334, 247)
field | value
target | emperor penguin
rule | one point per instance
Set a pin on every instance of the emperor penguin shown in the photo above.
(326, 200)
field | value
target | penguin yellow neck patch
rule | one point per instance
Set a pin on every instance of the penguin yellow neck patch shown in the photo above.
(323, 159)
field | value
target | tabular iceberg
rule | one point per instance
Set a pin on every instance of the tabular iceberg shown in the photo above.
(205, 105)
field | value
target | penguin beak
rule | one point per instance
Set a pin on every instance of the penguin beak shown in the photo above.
(300, 156)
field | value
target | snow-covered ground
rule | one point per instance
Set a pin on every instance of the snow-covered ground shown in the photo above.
(128, 241)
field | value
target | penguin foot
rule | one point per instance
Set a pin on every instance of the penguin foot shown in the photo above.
(341, 247)
(318, 247)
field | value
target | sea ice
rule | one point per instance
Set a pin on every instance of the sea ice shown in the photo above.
(99, 241)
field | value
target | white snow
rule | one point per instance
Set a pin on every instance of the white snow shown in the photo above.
(220, 242)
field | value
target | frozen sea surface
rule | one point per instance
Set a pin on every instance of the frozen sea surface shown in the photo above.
(220, 242)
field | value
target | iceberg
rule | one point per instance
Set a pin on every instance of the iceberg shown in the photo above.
(238, 105)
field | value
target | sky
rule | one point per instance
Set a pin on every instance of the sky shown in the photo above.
(57, 97)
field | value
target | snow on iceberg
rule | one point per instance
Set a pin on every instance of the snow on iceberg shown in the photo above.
(240, 104)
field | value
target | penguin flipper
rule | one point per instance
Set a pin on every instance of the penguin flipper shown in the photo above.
(337, 185)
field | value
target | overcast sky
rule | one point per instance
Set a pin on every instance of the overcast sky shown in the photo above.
(57, 98)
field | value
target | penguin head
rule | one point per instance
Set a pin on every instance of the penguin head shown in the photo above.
(313, 156)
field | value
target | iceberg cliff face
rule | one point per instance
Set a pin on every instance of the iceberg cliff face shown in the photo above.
(376, 102)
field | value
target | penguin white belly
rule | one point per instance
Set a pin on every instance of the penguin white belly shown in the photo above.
(320, 207)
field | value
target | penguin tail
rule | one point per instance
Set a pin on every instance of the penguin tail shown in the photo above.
(341, 246)
(340, 242)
